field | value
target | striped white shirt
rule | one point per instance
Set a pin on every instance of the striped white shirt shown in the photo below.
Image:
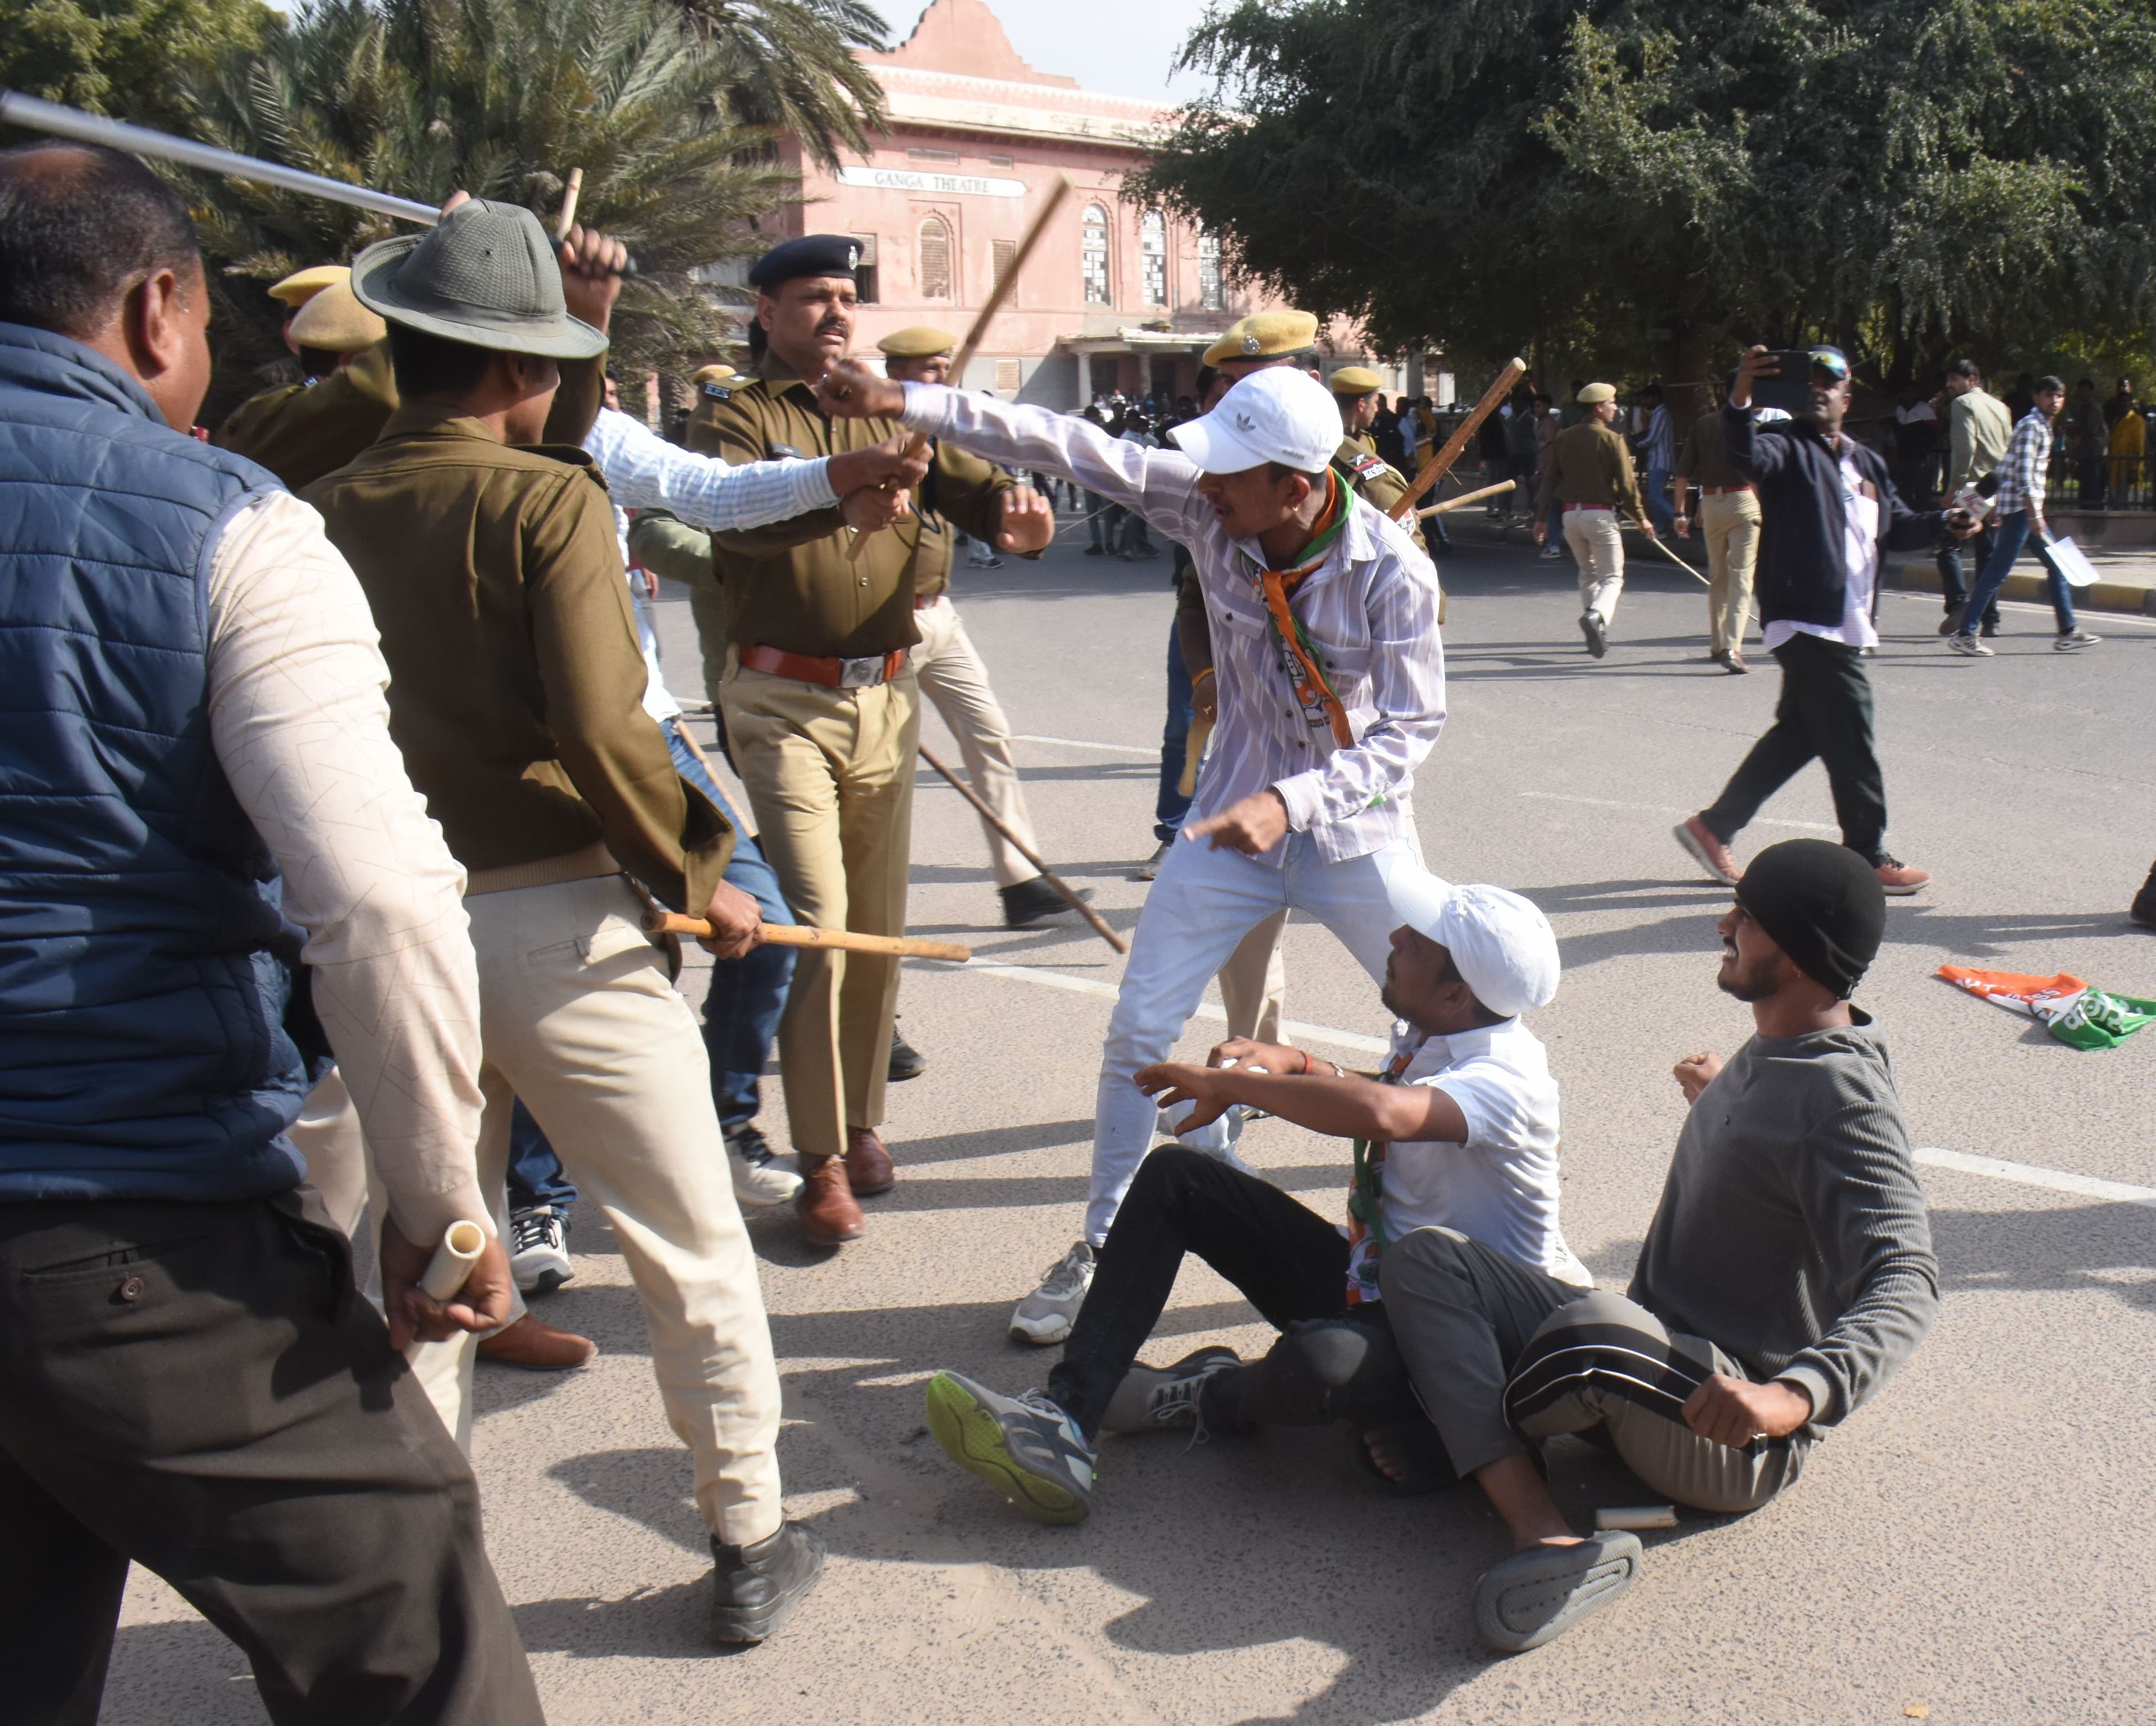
(1370, 609)
(644, 471)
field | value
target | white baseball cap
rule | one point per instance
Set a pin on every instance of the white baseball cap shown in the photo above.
(1278, 414)
(1500, 942)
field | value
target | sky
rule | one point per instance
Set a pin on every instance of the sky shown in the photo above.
(1122, 47)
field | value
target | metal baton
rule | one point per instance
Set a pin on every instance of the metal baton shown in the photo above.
(35, 116)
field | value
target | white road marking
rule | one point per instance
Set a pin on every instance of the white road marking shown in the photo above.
(1107, 991)
(2026, 1174)
(1660, 808)
(2031, 606)
(1081, 743)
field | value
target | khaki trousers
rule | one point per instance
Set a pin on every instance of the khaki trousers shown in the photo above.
(1254, 982)
(1599, 548)
(1730, 522)
(951, 674)
(829, 774)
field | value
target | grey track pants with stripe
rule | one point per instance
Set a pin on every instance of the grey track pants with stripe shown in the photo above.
(1501, 1355)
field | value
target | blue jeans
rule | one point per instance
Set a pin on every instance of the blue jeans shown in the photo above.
(1657, 494)
(740, 1012)
(2013, 533)
(1171, 806)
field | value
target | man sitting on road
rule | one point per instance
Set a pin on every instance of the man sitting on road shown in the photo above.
(1460, 1131)
(1786, 1275)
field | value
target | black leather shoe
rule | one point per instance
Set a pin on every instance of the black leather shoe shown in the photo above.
(2144, 910)
(755, 1588)
(1034, 904)
(906, 1061)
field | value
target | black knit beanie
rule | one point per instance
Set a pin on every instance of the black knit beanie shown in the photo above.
(1823, 906)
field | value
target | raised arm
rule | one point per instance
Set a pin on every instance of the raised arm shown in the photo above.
(644, 471)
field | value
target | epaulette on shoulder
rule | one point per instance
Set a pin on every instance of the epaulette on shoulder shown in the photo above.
(719, 391)
(1369, 467)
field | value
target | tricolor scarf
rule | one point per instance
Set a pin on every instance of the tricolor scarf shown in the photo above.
(1313, 691)
(1366, 1221)
(2074, 1012)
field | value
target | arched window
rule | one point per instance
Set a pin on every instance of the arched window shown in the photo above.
(1094, 255)
(935, 259)
(1210, 294)
(1152, 254)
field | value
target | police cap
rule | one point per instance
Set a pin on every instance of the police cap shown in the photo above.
(1354, 381)
(1263, 336)
(917, 341)
(811, 254)
(301, 286)
(712, 374)
(1596, 393)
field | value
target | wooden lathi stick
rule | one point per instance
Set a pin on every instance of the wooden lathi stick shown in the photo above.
(904, 947)
(1440, 464)
(571, 193)
(1466, 498)
(978, 331)
(1026, 851)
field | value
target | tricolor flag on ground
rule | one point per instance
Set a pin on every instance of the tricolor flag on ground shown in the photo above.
(2086, 1017)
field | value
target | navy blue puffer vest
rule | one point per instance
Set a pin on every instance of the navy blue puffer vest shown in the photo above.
(145, 973)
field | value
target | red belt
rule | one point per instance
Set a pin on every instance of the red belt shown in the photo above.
(831, 673)
(1721, 491)
(1570, 507)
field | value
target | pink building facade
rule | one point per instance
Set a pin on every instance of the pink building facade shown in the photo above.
(1117, 298)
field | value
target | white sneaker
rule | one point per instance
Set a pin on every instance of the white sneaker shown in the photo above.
(1046, 1316)
(539, 1250)
(1968, 646)
(761, 1180)
(2074, 640)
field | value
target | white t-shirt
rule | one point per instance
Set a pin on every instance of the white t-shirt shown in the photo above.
(1500, 1187)
(1860, 536)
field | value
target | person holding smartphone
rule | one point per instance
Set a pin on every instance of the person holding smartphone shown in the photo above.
(1828, 510)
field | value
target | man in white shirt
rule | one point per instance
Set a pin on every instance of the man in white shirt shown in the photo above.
(1459, 1132)
(1330, 678)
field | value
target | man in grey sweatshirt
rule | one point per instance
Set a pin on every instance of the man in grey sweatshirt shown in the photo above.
(1787, 1273)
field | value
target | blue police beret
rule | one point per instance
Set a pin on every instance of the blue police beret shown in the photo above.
(811, 254)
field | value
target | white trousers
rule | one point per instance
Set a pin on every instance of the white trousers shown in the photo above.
(952, 677)
(1598, 546)
(1204, 902)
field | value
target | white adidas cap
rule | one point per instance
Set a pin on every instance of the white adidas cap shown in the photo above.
(1278, 414)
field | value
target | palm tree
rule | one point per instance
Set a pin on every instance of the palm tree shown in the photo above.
(501, 98)
(787, 66)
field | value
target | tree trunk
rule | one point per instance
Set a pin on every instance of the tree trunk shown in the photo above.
(1687, 375)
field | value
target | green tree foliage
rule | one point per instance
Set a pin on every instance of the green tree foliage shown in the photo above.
(129, 58)
(501, 98)
(1645, 184)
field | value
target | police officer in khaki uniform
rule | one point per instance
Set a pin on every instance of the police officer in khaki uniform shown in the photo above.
(301, 431)
(1356, 461)
(823, 723)
(950, 671)
(1589, 471)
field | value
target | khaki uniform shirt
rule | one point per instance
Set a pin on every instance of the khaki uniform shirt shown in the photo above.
(1369, 476)
(1704, 458)
(1590, 464)
(301, 431)
(516, 688)
(792, 586)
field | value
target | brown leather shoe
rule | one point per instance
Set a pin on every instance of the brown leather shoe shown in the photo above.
(537, 1347)
(868, 1163)
(825, 1205)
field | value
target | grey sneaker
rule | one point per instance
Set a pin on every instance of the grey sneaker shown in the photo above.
(2074, 640)
(1968, 646)
(539, 1250)
(1047, 1315)
(1024, 1447)
(761, 1180)
(1152, 1398)
(1537, 1595)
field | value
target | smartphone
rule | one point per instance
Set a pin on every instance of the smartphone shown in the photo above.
(1791, 390)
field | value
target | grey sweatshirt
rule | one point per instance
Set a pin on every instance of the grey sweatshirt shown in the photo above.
(1791, 1230)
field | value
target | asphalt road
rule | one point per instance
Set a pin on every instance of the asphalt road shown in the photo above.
(1975, 1542)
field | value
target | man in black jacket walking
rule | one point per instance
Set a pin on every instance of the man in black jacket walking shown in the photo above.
(1829, 509)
